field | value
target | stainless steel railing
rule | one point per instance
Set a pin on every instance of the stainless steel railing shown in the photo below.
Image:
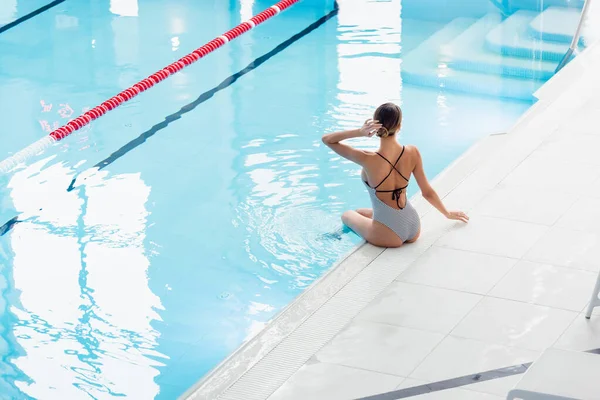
(576, 36)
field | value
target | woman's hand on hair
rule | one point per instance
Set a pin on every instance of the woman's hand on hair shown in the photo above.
(370, 127)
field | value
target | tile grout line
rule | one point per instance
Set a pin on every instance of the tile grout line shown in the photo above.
(446, 336)
(454, 335)
(389, 324)
(477, 252)
(566, 329)
(363, 369)
(516, 260)
(492, 296)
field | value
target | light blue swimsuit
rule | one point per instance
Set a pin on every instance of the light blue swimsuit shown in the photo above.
(404, 221)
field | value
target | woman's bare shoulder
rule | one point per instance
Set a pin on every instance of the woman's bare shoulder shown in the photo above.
(369, 153)
(411, 149)
(413, 155)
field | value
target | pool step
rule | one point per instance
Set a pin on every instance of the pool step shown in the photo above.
(514, 38)
(425, 66)
(538, 5)
(468, 52)
(557, 24)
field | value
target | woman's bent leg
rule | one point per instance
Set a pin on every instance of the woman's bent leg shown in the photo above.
(365, 212)
(370, 230)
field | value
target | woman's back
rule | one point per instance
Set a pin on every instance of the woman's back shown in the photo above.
(388, 172)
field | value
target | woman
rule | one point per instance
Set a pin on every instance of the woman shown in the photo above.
(392, 221)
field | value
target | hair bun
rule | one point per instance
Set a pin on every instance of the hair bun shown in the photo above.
(383, 132)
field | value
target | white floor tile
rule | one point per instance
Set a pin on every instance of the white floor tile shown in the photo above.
(458, 270)
(593, 190)
(401, 257)
(547, 285)
(582, 335)
(486, 177)
(379, 347)
(584, 215)
(420, 307)
(584, 123)
(526, 204)
(567, 248)
(321, 381)
(547, 172)
(493, 236)
(464, 197)
(460, 393)
(516, 324)
(572, 148)
(456, 357)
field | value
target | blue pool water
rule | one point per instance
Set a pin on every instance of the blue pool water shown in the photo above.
(137, 278)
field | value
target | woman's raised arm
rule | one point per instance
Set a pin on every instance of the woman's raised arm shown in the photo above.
(334, 141)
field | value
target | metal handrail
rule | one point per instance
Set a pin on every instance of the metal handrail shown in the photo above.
(576, 36)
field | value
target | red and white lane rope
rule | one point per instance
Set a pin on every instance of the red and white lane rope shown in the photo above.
(145, 84)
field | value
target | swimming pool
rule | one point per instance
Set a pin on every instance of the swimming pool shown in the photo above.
(137, 278)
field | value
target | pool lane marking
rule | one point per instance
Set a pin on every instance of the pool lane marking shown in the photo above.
(210, 93)
(456, 382)
(191, 106)
(143, 85)
(32, 14)
(8, 226)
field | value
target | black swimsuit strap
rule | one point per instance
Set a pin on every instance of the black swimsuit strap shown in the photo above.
(396, 193)
(393, 167)
(392, 190)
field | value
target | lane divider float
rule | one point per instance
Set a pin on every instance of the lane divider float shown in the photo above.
(143, 85)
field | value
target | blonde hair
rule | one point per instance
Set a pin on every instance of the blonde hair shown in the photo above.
(389, 116)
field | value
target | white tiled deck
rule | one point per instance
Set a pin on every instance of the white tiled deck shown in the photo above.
(465, 298)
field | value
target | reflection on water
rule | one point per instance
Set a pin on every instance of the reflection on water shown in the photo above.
(124, 8)
(246, 9)
(89, 310)
(8, 11)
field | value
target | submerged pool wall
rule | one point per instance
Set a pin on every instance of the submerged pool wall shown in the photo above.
(447, 10)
